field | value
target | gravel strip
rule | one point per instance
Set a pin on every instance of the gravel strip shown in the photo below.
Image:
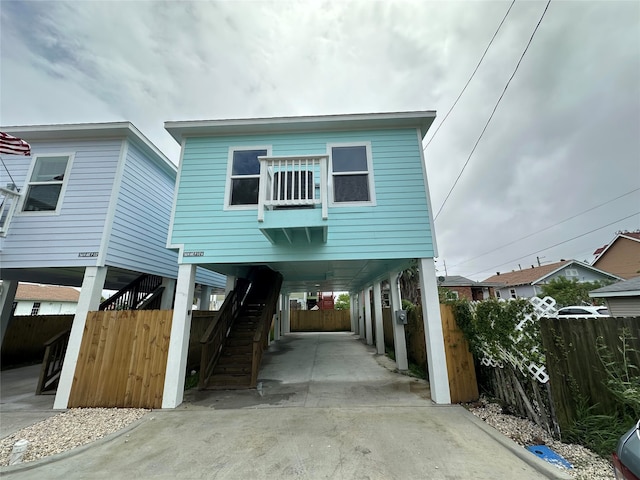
(586, 464)
(68, 430)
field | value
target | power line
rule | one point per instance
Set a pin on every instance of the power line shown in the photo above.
(545, 228)
(493, 112)
(472, 75)
(557, 244)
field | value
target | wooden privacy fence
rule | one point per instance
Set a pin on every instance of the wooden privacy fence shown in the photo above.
(320, 320)
(460, 367)
(575, 365)
(24, 341)
(122, 360)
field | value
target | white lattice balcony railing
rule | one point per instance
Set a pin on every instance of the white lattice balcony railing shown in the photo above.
(8, 202)
(293, 181)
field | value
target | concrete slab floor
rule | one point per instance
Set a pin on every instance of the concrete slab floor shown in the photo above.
(326, 409)
(19, 404)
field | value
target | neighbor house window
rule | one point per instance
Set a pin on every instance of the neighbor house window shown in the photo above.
(513, 293)
(245, 176)
(351, 174)
(571, 273)
(44, 190)
(36, 308)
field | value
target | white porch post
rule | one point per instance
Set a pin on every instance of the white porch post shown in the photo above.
(352, 308)
(179, 343)
(278, 322)
(434, 338)
(205, 297)
(361, 329)
(367, 316)
(89, 301)
(399, 340)
(377, 306)
(231, 284)
(286, 318)
(169, 285)
(7, 296)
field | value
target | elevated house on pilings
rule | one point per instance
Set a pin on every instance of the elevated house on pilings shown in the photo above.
(300, 204)
(90, 208)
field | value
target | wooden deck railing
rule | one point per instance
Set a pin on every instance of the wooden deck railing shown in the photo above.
(214, 337)
(261, 337)
(55, 348)
(293, 181)
(134, 294)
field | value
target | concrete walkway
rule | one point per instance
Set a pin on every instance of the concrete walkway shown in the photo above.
(326, 409)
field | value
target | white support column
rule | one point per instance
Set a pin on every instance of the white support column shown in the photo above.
(286, 318)
(89, 301)
(353, 310)
(367, 316)
(434, 338)
(399, 340)
(377, 306)
(173, 393)
(205, 297)
(7, 297)
(361, 329)
(278, 322)
(169, 285)
(231, 284)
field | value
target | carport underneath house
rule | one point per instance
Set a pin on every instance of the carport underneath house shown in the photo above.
(362, 278)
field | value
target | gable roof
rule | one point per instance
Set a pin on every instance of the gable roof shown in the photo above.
(50, 293)
(357, 121)
(531, 276)
(627, 288)
(460, 281)
(634, 236)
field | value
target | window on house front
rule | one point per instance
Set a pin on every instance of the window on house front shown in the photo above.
(513, 293)
(497, 294)
(571, 273)
(351, 174)
(245, 176)
(46, 184)
(36, 308)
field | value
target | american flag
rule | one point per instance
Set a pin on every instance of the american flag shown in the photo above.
(13, 145)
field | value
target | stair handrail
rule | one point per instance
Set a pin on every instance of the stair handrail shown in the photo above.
(55, 349)
(132, 289)
(261, 337)
(214, 337)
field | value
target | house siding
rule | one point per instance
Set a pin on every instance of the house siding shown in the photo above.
(396, 227)
(141, 222)
(622, 258)
(584, 275)
(56, 240)
(24, 307)
(624, 306)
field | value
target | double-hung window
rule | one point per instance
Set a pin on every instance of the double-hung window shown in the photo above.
(351, 174)
(244, 176)
(46, 183)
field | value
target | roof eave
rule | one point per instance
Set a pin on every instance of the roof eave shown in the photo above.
(412, 119)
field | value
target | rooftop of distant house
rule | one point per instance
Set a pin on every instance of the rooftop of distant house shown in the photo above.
(49, 293)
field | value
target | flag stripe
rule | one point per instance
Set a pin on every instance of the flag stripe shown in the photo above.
(13, 145)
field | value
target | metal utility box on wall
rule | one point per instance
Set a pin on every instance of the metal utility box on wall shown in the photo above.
(401, 317)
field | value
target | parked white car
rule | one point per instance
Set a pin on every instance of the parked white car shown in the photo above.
(580, 311)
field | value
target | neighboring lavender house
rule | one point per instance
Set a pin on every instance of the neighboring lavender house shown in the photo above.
(528, 282)
(330, 203)
(89, 208)
(32, 299)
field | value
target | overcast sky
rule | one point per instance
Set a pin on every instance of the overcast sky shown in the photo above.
(565, 138)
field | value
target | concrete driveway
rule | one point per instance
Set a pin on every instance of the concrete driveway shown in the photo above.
(328, 407)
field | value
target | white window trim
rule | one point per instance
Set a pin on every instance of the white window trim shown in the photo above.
(63, 189)
(227, 186)
(369, 172)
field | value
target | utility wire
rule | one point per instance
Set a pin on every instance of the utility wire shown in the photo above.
(472, 75)
(559, 243)
(493, 112)
(543, 229)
